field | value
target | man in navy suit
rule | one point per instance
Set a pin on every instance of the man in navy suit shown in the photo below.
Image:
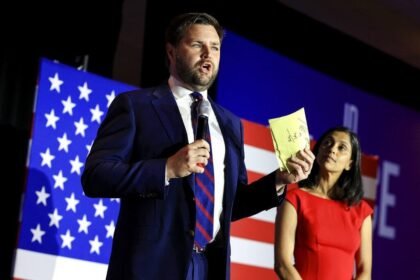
(145, 154)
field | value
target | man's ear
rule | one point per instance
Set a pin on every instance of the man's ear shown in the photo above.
(170, 51)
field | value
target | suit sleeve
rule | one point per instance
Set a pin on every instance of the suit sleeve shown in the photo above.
(109, 171)
(253, 198)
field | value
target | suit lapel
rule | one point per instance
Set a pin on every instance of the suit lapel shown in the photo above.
(168, 113)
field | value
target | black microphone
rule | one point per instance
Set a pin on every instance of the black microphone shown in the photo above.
(203, 117)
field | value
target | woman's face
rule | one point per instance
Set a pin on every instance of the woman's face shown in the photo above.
(334, 153)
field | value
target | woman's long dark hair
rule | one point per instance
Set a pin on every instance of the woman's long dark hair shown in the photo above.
(349, 186)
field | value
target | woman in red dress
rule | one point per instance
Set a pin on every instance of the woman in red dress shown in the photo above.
(324, 230)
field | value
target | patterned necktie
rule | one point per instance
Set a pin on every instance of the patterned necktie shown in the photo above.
(204, 185)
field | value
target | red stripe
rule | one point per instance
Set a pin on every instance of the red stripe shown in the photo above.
(247, 272)
(202, 230)
(204, 210)
(209, 175)
(370, 165)
(205, 190)
(257, 135)
(253, 176)
(254, 229)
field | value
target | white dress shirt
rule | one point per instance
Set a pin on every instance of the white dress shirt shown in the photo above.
(184, 101)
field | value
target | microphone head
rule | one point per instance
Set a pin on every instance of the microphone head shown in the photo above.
(204, 109)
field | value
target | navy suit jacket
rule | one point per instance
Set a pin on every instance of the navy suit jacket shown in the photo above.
(153, 238)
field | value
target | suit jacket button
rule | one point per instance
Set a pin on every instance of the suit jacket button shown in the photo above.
(191, 232)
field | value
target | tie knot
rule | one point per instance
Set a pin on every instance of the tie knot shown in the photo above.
(197, 96)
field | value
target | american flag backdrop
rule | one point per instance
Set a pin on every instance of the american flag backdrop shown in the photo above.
(66, 235)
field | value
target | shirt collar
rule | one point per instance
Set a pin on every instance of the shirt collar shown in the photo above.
(179, 91)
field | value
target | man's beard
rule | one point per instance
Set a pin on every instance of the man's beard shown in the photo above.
(192, 77)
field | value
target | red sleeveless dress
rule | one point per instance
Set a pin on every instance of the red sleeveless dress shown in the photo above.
(327, 235)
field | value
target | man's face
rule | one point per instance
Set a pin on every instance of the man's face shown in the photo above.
(195, 61)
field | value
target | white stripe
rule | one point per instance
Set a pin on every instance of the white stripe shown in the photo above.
(266, 216)
(39, 266)
(369, 187)
(250, 252)
(260, 160)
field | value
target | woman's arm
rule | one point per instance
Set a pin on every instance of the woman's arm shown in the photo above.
(285, 230)
(364, 254)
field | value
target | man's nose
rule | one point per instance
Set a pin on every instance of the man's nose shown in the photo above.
(205, 51)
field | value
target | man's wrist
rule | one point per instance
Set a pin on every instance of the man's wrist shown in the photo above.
(280, 185)
(280, 189)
